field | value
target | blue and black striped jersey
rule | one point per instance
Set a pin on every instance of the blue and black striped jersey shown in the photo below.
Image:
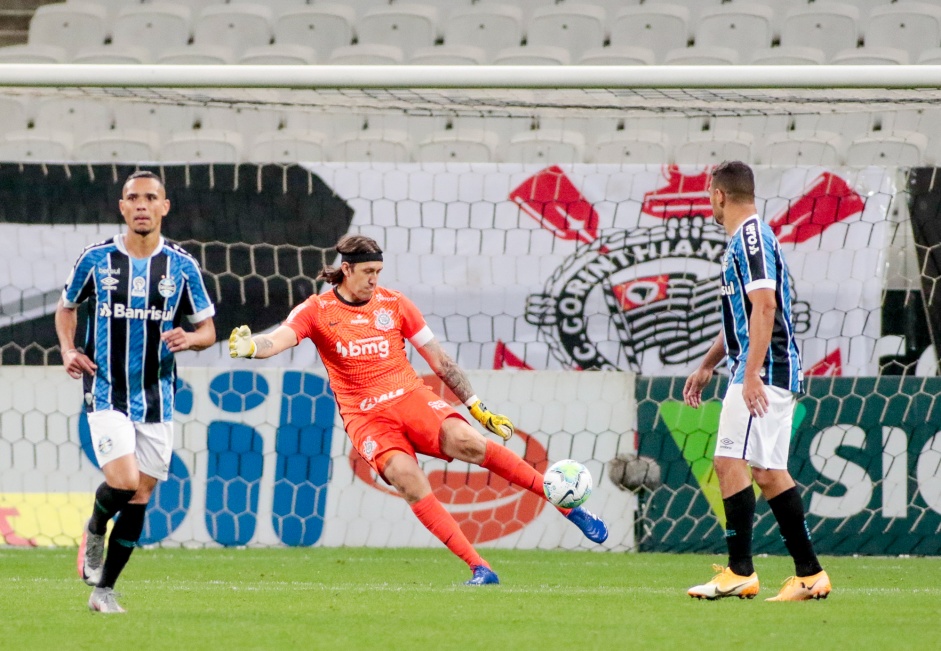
(753, 260)
(131, 303)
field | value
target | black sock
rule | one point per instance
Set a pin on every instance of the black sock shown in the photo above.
(108, 501)
(739, 520)
(121, 542)
(788, 510)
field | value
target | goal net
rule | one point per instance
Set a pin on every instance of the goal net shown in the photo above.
(545, 232)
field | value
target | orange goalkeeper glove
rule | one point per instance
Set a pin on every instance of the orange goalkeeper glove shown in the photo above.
(496, 423)
(240, 342)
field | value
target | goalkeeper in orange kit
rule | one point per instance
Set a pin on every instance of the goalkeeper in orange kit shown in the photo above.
(360, 331)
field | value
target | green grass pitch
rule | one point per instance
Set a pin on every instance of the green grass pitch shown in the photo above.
(413, 599)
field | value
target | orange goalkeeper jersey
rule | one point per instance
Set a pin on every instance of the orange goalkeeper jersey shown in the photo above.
(362, 345)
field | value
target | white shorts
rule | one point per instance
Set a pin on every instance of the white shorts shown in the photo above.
(763, 442)
(115, 435)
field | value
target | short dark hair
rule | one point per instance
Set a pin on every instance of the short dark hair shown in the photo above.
(348, 244)
(736, 179)
(143, 174)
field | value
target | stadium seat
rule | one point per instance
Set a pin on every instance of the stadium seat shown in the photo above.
(130, 146)
(829, 27)
(367, 54)
(195, 54)
(527, 7)
(247, 120)
(76, 114)
(324, 27)
(465, 146)
(912, 26)
(640, 146)
(710, 148)
(14, 113)
(488, 26)
(449, 55)
(576, 27)
(163, 118)
(278, 7)
(778, 9)
(374, 146)
(202, 146)
(279, 54)
(111, 7)
(793, 55)
(931, 56)
(33, 53)
(692, 8)
(111, 54)
(623, 55)
(32, 146)
(406, 26)
(801, 148)
(743, 27)
(288, 146)
(533, 55)
(69, 25)
(545, 147)
(155, 26)
(235, 26)
(702, 55)
(660, 28)
(905, 149)
(864, 56)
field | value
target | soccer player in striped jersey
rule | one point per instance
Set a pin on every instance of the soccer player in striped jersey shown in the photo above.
(139, 288)
(360, 330)
(765, 375)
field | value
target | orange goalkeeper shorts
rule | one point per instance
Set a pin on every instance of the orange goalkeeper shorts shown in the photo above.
(410, 425)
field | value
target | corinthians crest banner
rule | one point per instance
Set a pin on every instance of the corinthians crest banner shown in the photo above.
(603, 267)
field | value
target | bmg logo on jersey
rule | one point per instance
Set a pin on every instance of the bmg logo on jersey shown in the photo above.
(152, 313)
(369, 346)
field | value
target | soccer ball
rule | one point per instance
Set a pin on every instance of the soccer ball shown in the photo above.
(567, 483)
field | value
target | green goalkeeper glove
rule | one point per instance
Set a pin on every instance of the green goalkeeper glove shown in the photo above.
(240, 342)
(496, 423)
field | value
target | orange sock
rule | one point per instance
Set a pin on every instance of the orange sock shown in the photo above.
(507, 464)
(431, 513)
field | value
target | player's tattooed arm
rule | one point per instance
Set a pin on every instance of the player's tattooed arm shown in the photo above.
(447, 369)
(263, 344)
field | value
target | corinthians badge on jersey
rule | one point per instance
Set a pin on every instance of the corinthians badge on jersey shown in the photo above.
(635, 293)
(384, 320)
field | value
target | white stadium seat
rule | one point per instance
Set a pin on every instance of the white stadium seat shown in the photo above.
(374, 146)
(624, 55)
(33, 146)
(931, 56)
(279, 54)
(237, 26)
(545, 147)
(865, 56)
(196, 54)
(14, 113)
(202, 146)
(710, 148)
(785, 55)
(912, 26)
(122, 55)
(743, 27)
(464, 146)
(76, 114)
(533, 55)
(576, 27)
(659, 28)
(829, 27)
(630, 146)
(71, 25)
(691, 7)
(164, 119)
(905, 149)
(131, 146)
(405, 26)
(488, 26)
(324, 27)
(33, 53)
(288, 146)
(702, 55)
(367, 54)
(801, 148)
(155, 26)
(449, 55)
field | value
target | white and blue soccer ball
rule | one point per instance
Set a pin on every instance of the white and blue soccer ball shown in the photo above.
(567, 483)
